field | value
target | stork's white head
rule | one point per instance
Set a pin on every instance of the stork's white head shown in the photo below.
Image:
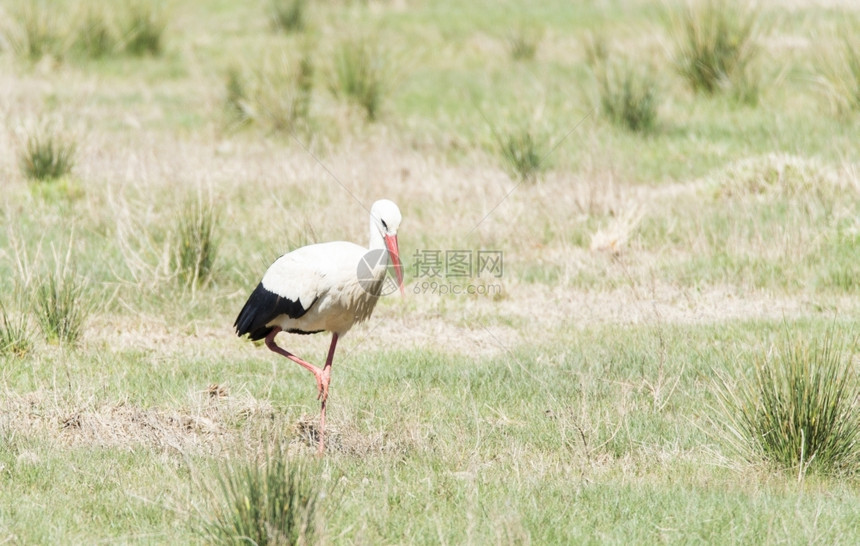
(384, 222)
(385, 215)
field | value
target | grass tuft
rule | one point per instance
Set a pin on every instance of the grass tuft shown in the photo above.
(144, 29)
(798, 410)
(49, 29)
(236, 101)
(60, 305)
(842, 276)
(40, 34)
(14, 333)
(288, 15)
(47, 157)
(95, 39)
(629, 96)
(304, 88)
(716, 45)
(276, 95)
(523, 154)
(196, 243)
(839, 76)
(360, 75)
(275, 503)
(523, 43)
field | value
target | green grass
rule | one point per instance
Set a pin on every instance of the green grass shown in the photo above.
(523, 43)
(53, 29)
(577, 405)
(273, 503)
(95, 38)
(144, 25)
(628, 94)
(288, 15)
(236, 95)
(361, 75)
(15, 336)
(839, 75)
(841, 272)
(276, 95)
(61, 305)
(716, 46)
(776, 222)
(798, 410)
(39, 31)
(46, 157)
(523, 153)
(196, 243)
(608, 441)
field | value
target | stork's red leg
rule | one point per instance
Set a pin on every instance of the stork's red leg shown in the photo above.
(318, 374)
(323, 376)
(326, 371)
(326, 378)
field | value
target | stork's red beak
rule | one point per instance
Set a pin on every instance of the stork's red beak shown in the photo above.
(394, 252)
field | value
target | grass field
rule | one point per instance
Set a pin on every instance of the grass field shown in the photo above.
(660, 242)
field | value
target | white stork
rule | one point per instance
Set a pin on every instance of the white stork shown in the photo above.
(325, 287)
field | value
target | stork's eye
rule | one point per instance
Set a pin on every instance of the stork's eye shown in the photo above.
(384, 225)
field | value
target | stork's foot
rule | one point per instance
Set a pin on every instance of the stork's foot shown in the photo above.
(323, 379)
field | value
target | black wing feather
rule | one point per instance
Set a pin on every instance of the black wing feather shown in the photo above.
(261, 308)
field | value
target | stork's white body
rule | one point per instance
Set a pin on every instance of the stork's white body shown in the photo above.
(324, 278)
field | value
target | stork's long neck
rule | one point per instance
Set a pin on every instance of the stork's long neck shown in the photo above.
(376, 241)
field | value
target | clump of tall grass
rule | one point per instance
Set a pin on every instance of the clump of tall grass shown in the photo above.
(61, 305)
(95, 37)
(196, 243)
(15, 336)
(277, 95)
(524, 154)
(35, 31)
(302, 90)
(716, 45)
(839, 76)
(41, 29)
(275, 503)
(798, 409)
(523, 43)
(47, 157)
(628, 93)
(143, 30)
(236, 100)
(288, 15)
(361, 75)
(842, 276)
